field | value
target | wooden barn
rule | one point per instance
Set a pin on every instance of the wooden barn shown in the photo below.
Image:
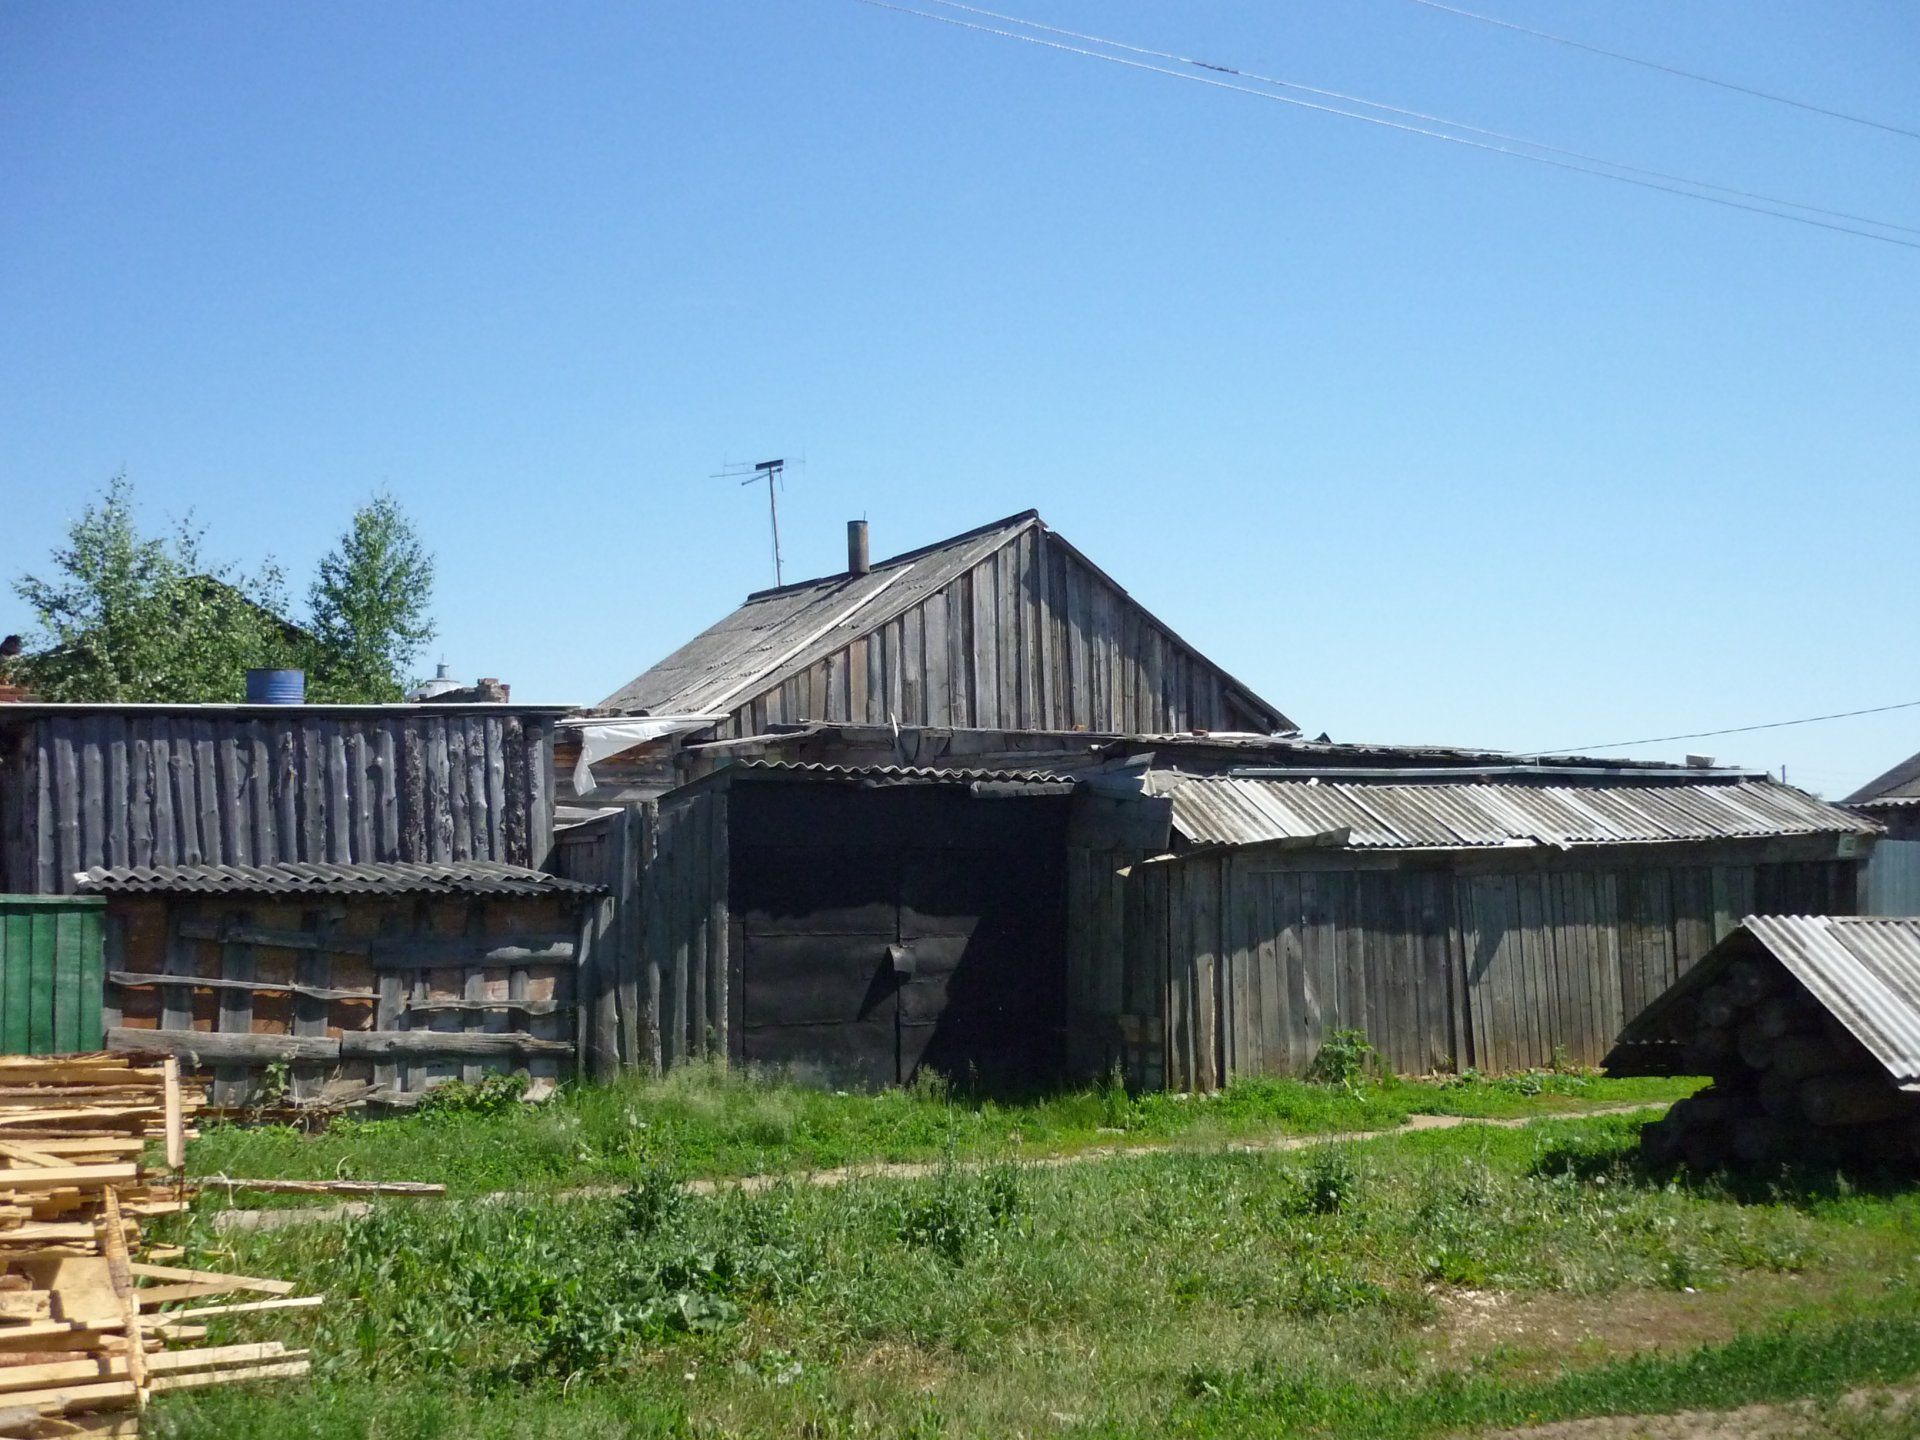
(850, 925)
(1494, 921)
(1007, 629)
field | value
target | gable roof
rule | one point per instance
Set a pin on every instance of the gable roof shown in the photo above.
(1864, 970)
(778, 633)
(1899, 786)
(789, 628)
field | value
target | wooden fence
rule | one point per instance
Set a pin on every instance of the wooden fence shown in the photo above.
(381, 995)
(118, 786)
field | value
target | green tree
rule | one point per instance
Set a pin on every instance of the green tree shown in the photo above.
(369, 608)
(132, 617)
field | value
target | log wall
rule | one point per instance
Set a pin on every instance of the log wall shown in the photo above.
(215, 785)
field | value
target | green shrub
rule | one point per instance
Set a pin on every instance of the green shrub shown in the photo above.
(1345, 1058)
(492, 1094)
(961, 1213)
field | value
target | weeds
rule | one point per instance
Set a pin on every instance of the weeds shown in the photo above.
(1345, 1058)
(1203, 1294)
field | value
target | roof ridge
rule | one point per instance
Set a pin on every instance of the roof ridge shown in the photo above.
(902, 558)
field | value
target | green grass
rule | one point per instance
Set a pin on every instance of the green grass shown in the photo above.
(1180, 1293)
(714, 1122)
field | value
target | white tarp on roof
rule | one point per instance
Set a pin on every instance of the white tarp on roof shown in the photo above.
(601, 738)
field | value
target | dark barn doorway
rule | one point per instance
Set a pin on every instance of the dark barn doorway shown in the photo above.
(879, 931)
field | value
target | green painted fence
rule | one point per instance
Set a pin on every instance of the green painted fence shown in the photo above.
(50, 974)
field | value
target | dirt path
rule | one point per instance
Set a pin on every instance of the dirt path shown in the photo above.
(1800, 1418)
(227, 1220)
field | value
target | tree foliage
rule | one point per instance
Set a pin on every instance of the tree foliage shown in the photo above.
(369, 607)
(132, 617)
(126, 616)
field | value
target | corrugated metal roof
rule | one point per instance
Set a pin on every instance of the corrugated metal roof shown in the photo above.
(1230, 810)
(467, 877)
(902, 774)
(777, 632)
(1865, 970)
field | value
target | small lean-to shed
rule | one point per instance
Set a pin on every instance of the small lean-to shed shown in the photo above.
(846, 925)
(370, 980)
(1494, 924)
(145, 785)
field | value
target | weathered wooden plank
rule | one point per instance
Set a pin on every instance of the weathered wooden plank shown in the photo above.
(698, 840)
(272, 937)
(141, 980)
(719, 869)
(230, 1085)
(443, 951)
(442, 1043)
(204, 1046)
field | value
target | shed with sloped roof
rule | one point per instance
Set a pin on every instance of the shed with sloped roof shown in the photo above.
(1007, 627)
(1499, 921)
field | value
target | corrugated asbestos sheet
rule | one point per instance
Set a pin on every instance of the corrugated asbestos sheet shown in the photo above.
(1235, 811)
(1866, 971)
(474, 877)
(778, 631)
(902, 774)
(1899, 786)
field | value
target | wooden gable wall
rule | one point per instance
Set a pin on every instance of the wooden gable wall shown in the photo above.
(1033, 637)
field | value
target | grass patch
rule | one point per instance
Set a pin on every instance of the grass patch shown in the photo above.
(715, 1122)
(1185, 1292)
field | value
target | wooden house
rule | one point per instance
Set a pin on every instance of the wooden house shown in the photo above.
(1007, 629)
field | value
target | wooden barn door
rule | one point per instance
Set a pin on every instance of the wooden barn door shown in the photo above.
(922, 928)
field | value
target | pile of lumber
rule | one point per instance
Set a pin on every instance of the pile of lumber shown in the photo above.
(1790, 1083)
(90, 1324)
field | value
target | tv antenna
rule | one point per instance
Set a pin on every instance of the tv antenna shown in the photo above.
(769, 471)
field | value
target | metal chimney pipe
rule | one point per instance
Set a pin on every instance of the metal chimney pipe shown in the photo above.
(857, 563)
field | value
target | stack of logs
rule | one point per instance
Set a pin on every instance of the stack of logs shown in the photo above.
(1790, 1083)
(83, 1342)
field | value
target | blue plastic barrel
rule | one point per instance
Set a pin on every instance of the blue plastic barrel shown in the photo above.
(276, 687)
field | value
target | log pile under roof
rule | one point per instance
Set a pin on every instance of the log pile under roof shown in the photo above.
(91, 1325)
(1791, 1084)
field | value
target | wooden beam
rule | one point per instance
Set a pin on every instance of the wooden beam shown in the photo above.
(384, 1043)
(134, 978)
(270, 937)
(202, 1045)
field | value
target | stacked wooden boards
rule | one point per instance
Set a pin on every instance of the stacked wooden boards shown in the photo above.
(89, 1324)
(1790, 1082)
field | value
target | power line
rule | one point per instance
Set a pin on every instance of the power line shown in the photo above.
(1559, 164)
(1672, 70)
(1709, 734)
(1418, 115)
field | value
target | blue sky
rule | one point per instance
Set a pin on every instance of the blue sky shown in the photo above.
(1424, 444)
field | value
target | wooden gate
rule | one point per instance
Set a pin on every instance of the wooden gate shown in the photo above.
(50, 974)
